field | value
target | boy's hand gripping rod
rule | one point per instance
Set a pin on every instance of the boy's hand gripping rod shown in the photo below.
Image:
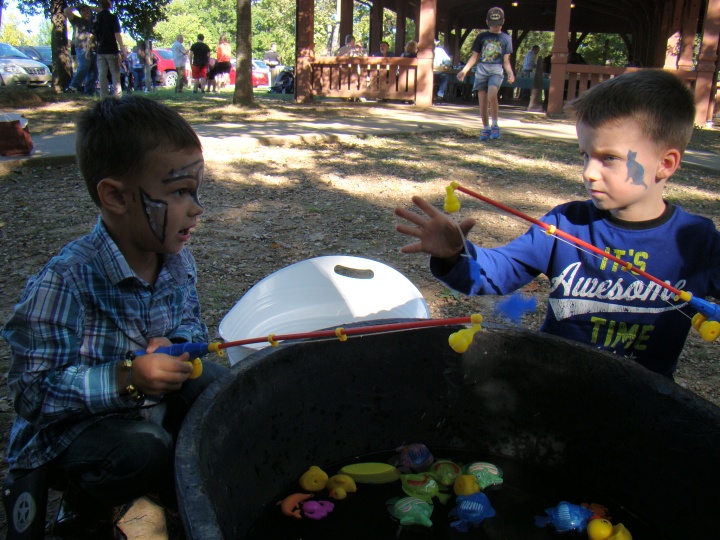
(706, 321)
(459, 340)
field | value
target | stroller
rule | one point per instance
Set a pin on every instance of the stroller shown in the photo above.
(285, 82)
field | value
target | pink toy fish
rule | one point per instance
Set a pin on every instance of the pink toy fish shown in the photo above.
(317, 509)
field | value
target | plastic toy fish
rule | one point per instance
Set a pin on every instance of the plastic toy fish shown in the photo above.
(317, 509)
(314, 479)
(598, 510)
(602, 529)
(466, 484)
(445, 472)
(415, 457)
(411, 511)
(422, 486)
(471, 510)
(290, 505)
(486, 474)
(340, 485)
(514, 307)
(565, 517)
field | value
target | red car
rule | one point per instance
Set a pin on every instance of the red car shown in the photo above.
(260, 76)
(166, 70)
(165, 66)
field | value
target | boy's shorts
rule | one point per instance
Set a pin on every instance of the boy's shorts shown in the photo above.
(488, 75)
(199, 72)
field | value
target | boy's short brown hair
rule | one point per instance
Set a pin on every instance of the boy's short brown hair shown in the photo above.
(114, 137)
(659, 101)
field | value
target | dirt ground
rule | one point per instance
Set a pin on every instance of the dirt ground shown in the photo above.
(275, 206)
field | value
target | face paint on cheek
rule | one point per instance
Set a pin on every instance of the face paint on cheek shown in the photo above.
(636, 172)
(156, 215)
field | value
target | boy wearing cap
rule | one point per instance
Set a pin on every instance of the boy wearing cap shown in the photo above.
(492, 48)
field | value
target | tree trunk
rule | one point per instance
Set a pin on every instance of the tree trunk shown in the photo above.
(243, 94)
(62, 67)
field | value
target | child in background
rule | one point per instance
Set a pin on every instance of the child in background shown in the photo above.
(491, 51)
(89, 422)
(632, 131)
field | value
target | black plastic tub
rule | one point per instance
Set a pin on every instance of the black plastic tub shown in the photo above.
(527, 396)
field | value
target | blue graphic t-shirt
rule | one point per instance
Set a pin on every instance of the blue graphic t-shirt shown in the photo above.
(594, 301)
(492, 48)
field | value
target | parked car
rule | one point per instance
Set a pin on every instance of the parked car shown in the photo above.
(167, 74)
(16, 69)
(39, 53)
(260, 75)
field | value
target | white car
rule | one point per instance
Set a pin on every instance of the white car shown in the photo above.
(17, 69)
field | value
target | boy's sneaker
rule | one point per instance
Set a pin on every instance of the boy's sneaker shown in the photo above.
(495, 132)
(485, 135)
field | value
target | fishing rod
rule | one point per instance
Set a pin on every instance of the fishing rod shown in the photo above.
(706, 321)
(459, 340)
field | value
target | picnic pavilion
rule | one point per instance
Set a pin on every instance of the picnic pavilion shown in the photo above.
(657, 33)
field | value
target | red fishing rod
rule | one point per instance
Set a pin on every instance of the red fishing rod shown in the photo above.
(459, 341)
(706, 321)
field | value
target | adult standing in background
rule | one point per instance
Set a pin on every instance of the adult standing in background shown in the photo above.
(199, 60)
(528, 68)
(530, 60)
(179, 53)
(138, 59)
(273, 61)
(82, 29)
(441, 61)
(110, 49)
(222, 66)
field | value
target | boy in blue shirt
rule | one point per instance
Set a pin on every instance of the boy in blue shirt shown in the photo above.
(632, 131)
(89, 422)
(491, 50)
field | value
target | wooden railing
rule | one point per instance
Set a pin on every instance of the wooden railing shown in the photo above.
(581, 78)
(371, 78)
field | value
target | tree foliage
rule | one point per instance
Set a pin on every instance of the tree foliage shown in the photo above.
(137, 17)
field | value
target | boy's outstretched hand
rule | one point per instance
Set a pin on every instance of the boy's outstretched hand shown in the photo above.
(436, 233)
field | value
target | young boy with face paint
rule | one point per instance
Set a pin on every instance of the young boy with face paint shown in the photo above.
(632, 131)
(102, 428)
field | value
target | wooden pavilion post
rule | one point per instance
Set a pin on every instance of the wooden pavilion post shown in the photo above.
(400, 29)
(426, 50)
(559, 57)
(346, 19)
(689, 26)
(706, 64)
(376, 26)
(304, 49)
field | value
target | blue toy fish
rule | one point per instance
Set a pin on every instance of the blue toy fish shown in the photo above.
(565, 517)
(471, 510)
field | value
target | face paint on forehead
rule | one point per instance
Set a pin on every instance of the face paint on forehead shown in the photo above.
(156, 215)
(195, 170)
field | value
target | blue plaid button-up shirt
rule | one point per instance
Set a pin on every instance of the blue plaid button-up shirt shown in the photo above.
(76, 320)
